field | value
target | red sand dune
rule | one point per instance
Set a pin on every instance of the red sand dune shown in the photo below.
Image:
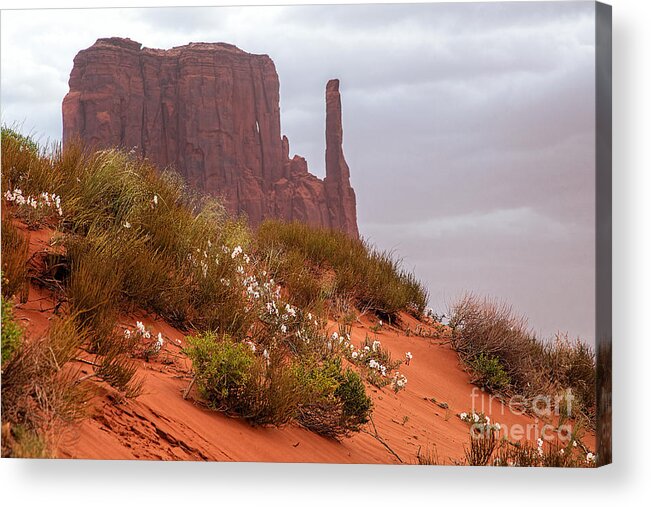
(161, 425)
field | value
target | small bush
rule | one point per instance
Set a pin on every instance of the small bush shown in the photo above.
(12, 333)
(336, 401)
(489, 373)
(223, 370)
(356, 404)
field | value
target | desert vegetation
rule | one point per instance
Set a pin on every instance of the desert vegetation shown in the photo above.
(40, 391)
(319, 264)
(505, 357)
(255, 304)
(488, 447)
(267, 313)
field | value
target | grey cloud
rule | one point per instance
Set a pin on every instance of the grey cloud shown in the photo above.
(468, 127)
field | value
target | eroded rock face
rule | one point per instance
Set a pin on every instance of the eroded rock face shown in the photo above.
(212, 112)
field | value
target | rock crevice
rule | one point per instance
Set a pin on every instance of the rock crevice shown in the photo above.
(211, 111)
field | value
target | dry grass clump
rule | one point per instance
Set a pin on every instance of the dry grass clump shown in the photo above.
(40, 396)
(427, 457)
(162, 246)
(12, 332)
(482, 446)
(559, 449)
(15, 250)
(24, 165)
(505, 356)
(373, 279)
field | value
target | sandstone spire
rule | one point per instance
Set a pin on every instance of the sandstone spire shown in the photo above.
(337, 181)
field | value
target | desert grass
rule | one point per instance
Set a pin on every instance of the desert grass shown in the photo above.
(12, 332)
(316, 263)
(15, 250)
(40, 394)
(506, 357)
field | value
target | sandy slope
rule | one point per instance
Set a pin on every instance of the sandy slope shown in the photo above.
(161, 425)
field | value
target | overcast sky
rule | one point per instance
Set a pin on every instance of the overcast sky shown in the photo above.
(468, 128)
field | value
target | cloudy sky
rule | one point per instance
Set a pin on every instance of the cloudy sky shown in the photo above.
(468, 128)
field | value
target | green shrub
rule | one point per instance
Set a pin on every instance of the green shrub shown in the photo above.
(272, 389)
(223, 370)
(10, 135)
(490, 372)
(12, 333)
(335, 403)
(356, 404)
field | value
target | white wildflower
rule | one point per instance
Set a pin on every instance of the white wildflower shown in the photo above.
(159, 343)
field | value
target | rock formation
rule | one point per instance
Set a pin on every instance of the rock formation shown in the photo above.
(212, 112)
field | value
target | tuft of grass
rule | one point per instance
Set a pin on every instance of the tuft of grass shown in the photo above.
(429, 457)
(482, 446)
(24, 165)
(12, 333)
(40, 396)
(315, 262)
(15, 250)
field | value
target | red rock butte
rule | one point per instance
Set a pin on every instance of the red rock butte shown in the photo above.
(212, 112)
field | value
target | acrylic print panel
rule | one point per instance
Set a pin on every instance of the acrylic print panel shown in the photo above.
(197, 263)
